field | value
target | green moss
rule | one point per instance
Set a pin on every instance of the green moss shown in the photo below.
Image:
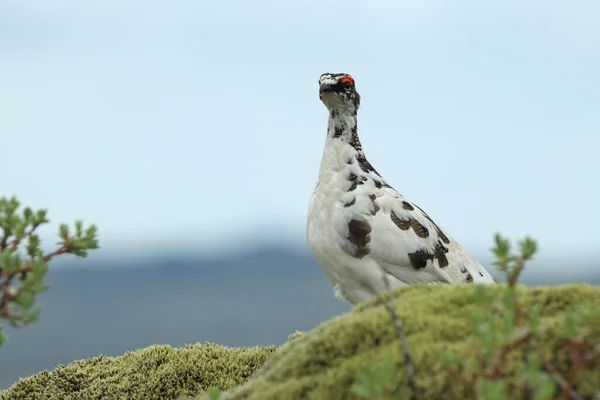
(324, 363)
(321, 364)
(156, 372)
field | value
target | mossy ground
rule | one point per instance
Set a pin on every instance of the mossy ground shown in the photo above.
(156, 372)
(325, 363)
(322, 364)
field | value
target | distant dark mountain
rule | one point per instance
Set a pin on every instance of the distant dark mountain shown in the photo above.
(111, 305)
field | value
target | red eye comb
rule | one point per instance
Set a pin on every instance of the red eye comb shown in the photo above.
(348, 79)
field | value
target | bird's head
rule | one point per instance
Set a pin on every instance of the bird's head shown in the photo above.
(338, 91)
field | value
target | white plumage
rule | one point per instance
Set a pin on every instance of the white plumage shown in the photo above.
(360, 229)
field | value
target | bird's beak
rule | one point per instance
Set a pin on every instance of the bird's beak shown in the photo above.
(325, 88)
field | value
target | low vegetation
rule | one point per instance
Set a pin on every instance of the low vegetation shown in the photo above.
(23, 264)
(493, 342)
(156, 372)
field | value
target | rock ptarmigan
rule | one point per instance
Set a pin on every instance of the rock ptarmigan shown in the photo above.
(360, 229)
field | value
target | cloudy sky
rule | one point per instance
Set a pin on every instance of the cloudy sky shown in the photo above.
(199, 122)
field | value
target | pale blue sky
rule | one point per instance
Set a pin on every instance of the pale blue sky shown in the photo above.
(156, 120)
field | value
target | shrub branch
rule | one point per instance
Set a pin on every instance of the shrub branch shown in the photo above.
(23, 265)
(408, 361)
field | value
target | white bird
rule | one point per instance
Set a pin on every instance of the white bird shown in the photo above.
(360, 229)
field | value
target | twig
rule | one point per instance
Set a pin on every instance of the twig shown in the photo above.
(410, 368)
(16, 242)
(4, 240)
(8, 278)
(498, 362)
(591, 359)
(528, 392)
(564, 385)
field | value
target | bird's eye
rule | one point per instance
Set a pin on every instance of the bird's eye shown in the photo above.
(347, 85)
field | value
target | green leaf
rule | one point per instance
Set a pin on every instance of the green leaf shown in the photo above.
(10, 262)
(40, 217)
(502, 246)
(535, 313)
(28, 216)
(91, 231)
(11, 206)
(40, 268)
(33, 247)
(77, 244)
(19, 229)
(78, 252)
(33, 315)
(25, 299)
(528, 248)
(64, 231)
(79, 228)
(545, 388)
(92, 244)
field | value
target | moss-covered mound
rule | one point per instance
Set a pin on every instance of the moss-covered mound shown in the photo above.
(325, 363)
(156, 372)
(322, 364)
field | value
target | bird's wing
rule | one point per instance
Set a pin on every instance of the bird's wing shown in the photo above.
(405, 241)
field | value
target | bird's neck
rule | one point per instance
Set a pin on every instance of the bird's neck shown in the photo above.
(342, 146)
(342, 127)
